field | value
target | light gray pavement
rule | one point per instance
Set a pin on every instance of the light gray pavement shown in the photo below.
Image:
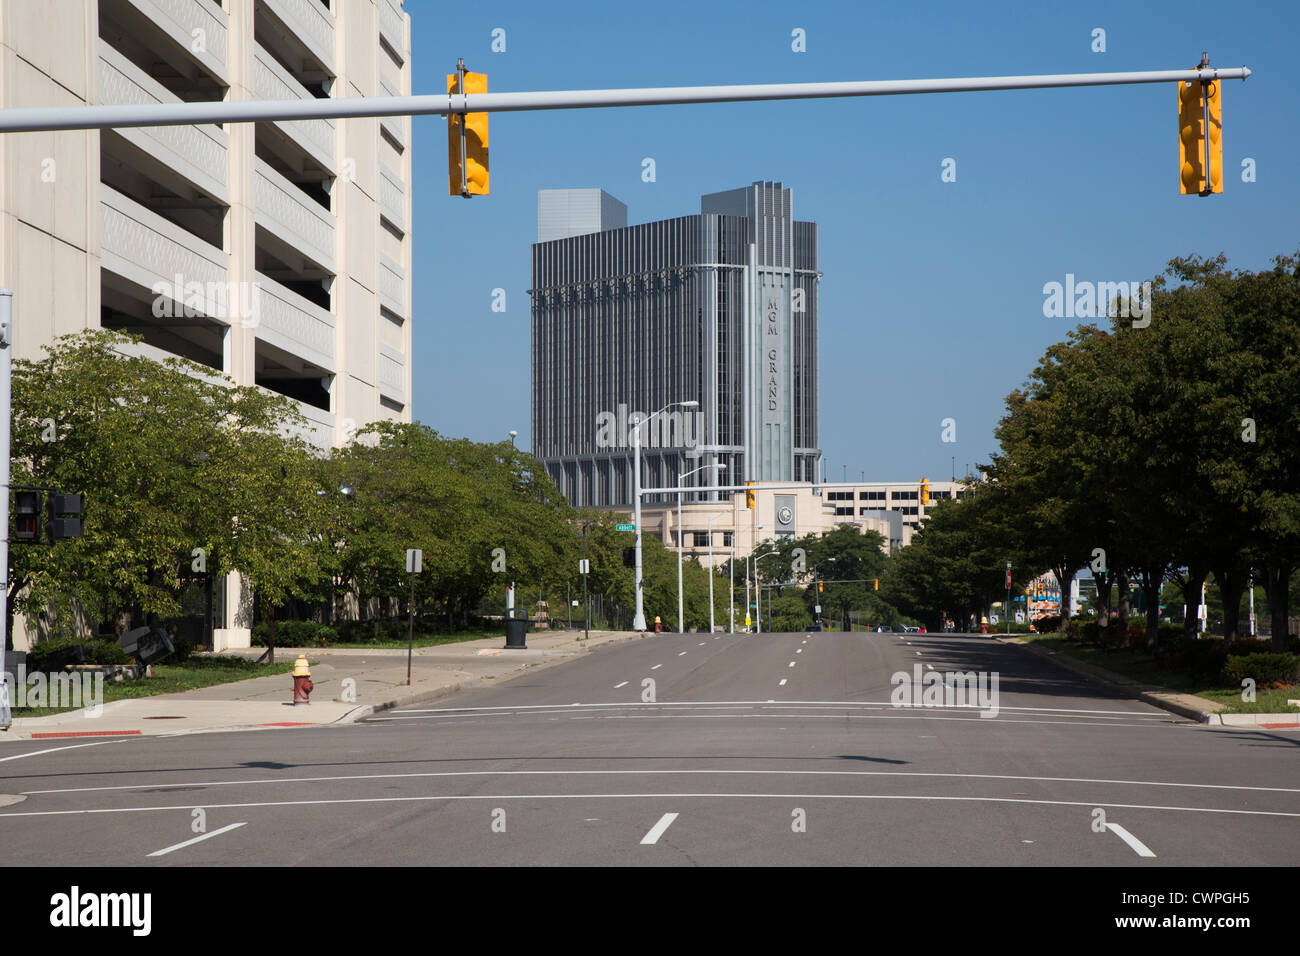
(745, 750)
(350, 683)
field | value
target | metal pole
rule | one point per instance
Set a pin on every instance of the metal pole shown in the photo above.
(681, 544)
(410, 632)
(586, 608)
(1008, 607)
(638, 618)
(46, 119)
(6, 385)
(1250, 579)
(747, 595)
(708, 525)
(464, 172)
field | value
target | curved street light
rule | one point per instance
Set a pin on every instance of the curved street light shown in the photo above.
(681, 540)
(638, 618)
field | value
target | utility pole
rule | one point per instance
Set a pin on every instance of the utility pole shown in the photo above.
(1007, 610)
(6, 397)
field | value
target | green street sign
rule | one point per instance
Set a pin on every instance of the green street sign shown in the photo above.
(625, 527)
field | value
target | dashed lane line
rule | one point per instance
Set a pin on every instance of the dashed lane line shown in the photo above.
(198, 839)
(1136, 845)
(656, 831)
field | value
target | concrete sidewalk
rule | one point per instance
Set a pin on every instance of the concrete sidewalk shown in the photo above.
(350, 683)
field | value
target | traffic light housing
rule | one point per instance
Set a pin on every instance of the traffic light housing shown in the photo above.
(821, 586)
(27, 516)
(629, 557)
(749, 494)
(925, 491)
(875, 584)
(64, 516)
(471, 178)
(1193, 98)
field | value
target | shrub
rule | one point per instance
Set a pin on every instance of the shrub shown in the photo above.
(97, 651)
(1265, 669)
(1261, 645)
(296, 634)
(1201, 658)
(366, 632)
(1047, 625)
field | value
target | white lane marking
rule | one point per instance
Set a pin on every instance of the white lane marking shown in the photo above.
(918, 653)
(427, 798)
(617, 686)
(1136, 845)
(701, 644)
(576, 703)
(792, 663)
(1162, 715)
(651, 773)
(50, 750)
(798, 650)
(197, 839)
(682, 654)
(658, 829)
(656, 667)
(931, 666)
(782, 684)
(898, 716)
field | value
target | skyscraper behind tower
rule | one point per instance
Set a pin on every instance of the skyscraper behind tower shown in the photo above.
(719, 308)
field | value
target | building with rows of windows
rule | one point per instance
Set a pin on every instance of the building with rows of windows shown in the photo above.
(276, 253)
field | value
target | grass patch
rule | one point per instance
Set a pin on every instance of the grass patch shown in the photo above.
(1140, 666)
(173, 678)
(426, 640)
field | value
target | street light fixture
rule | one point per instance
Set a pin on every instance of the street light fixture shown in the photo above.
(638, 618)
(709, 526)
(758, 591)
(513, 435)
(681, 539)
(731, 574)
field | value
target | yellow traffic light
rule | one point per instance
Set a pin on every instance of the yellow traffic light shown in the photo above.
(749, 494)
(821, 586)
(471, 179)
(875, 584)
(925, 491)
(1192, 114)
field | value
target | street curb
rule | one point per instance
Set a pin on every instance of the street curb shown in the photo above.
(369, 710)
(366, 710)
(1154, 695)
(1158, 696)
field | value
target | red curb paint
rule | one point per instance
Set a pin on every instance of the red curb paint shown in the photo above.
(290, 723)
(90, 733)
(1290, 726)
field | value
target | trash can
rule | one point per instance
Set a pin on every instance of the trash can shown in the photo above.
(516, 629)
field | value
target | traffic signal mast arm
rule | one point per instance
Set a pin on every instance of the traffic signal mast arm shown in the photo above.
(123, 116)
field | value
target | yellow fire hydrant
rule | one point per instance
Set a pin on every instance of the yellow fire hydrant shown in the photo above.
(302, 685)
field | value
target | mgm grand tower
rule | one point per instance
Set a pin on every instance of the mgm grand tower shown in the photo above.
(718, 308)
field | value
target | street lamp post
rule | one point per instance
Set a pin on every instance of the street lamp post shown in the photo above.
(638, 618)
(758, 591)
(681, 544)
(709, 526)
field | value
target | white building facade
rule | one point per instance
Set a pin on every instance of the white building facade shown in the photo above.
(278, 254)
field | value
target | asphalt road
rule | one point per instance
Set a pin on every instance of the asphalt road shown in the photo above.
(747, 750)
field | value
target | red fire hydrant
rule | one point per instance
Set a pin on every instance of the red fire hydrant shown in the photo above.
(984, 625)
(659, 625)
(302, 685)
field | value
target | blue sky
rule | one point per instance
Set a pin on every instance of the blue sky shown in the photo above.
(931, 300)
